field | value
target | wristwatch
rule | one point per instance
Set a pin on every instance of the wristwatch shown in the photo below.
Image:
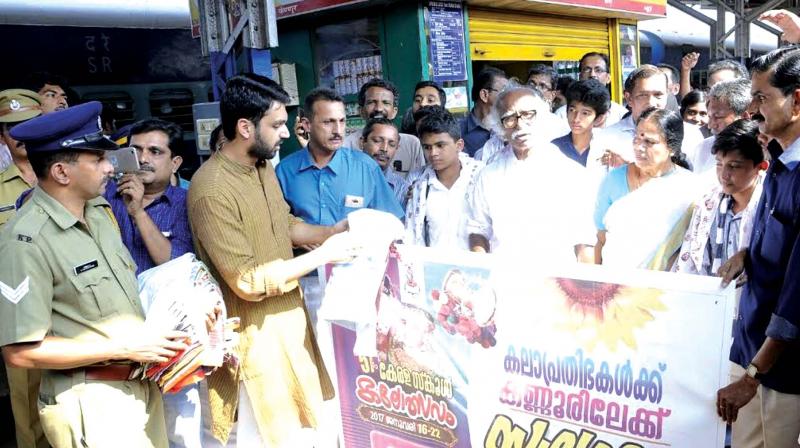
(752, 372)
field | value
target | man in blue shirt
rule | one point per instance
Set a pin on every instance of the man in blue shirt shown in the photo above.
(475, 127)
(763, 399)
(154, 223)
(324, 182)
(150, 211)
(587, 103)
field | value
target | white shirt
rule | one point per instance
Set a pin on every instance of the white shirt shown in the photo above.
(534, 207)
(702, 159)
(548, 125)
(409, 151)
(615, 113)
(619, 138)
(439, 212)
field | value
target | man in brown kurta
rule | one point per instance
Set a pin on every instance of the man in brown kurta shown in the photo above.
(244, 232)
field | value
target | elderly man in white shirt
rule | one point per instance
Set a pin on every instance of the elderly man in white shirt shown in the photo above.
(436, 213)
(645, 87)
(727, 102)
(531, 200)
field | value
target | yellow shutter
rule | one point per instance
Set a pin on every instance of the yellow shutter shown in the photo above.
(516, 36)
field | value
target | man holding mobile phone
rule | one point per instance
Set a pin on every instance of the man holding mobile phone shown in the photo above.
(154, 224)
(151, 212)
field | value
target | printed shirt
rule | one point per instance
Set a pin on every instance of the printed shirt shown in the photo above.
(769, 305)
(168, 213)
(325, 196)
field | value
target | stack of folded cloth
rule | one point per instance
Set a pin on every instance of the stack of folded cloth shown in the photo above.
(181, 295)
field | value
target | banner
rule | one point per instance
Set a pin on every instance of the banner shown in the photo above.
(473, 353)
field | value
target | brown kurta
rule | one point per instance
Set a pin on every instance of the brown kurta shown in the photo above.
(240, 224)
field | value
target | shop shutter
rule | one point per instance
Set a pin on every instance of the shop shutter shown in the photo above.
(517, 36)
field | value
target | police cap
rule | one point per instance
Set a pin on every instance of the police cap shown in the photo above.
(18, 105)
(76, 127)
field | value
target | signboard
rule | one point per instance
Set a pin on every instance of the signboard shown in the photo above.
(645, 7)
(289, 8)
(471, 356)
(446, 28)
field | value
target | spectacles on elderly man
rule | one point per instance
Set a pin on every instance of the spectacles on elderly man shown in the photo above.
(510, 121)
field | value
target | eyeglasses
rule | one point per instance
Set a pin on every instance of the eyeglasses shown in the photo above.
(597, 70)
(542, 87)
(510, 121)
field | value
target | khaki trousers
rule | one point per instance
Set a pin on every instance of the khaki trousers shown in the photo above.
(88, 413)
(770, 420)
(23, 385)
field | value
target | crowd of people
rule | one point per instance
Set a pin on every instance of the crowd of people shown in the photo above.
(542, 170)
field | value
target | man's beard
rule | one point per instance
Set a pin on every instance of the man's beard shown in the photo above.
(261, 150)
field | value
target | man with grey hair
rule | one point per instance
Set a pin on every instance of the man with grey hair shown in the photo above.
(727, 102)
(550, 126)
(726, 70)
(500, 221)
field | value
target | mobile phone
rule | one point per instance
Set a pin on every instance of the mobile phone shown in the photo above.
(124, 161)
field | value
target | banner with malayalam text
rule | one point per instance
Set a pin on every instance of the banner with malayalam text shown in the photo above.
(475, 352)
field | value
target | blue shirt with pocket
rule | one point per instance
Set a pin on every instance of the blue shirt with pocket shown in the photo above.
(770, 301)
(325, 196)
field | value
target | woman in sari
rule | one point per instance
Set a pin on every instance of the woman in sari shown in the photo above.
(643, 208)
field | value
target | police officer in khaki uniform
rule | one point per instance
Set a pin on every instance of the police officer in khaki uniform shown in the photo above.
(17, 106)
(69, 303)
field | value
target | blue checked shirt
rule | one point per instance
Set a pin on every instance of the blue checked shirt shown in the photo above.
(169, 214)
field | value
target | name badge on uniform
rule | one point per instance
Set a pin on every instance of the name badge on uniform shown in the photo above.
(7, 208)
(353, 201)
(85, 267)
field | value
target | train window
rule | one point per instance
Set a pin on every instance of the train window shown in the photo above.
(173, 105)
(117, 108)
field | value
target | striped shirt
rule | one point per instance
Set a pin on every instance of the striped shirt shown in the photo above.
(240, 224)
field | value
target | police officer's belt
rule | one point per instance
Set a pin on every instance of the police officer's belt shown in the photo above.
(112, 372)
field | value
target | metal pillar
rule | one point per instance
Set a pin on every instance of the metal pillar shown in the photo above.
(256, 28)
(741, 27)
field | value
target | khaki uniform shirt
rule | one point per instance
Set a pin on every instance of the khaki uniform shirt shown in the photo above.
(63, 278)
(11, 186)
(240, 224)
